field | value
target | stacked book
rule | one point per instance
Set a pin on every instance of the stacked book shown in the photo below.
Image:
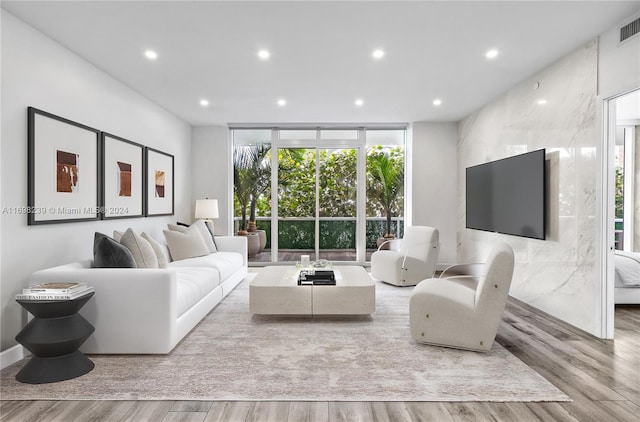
(316, 277)
(55, 291)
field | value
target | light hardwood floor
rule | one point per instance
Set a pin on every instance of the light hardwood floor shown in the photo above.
(601, 377)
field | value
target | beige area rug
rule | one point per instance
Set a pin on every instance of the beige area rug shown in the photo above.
(231, 355)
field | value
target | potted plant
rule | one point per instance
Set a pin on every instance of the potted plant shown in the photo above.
(252, 171)
(386, 184)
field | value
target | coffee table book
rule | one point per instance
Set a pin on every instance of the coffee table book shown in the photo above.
(55, 295)
(317, 277)
(55, 288)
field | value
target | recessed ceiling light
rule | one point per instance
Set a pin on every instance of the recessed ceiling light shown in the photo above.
(542, 101)
(204, 102)
(151, 55)
(264, 54)
(359, 102)
(282, 102)
(437, 102)
(378, 53)
(492, 54)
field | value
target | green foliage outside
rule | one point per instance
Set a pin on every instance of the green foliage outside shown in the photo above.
(337, 193)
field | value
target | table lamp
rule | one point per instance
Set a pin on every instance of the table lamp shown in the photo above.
(207, 209)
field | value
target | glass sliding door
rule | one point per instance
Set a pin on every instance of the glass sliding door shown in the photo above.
(385, 187)
(296, 181)
(338, 194)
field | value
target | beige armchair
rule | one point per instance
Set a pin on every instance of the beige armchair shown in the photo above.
(409, 260)
(463, 311)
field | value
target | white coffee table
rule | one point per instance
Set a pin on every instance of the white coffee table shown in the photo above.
(275, 291)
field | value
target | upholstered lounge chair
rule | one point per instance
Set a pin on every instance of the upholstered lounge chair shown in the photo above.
(411, 259)
(463, 311)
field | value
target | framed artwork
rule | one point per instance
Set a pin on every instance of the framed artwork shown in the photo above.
(158, 183)
(63, 170)
(122, 177)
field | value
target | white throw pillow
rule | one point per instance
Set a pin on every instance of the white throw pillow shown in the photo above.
(117, 235)
(141, 249)
(204, 232)
(177, 228)
(189, 244)
(162, 251)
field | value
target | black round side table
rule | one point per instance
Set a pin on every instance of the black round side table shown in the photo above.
(54, 336)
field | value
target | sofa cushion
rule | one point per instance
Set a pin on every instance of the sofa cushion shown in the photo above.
(161, 250)
(193, 284)
(140, 248)
(226, 262)
(107, 253)
(189, 244)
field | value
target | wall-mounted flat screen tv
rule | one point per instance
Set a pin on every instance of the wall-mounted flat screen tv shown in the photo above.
(508, 196)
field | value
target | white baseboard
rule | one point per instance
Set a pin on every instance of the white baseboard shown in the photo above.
(12, 355)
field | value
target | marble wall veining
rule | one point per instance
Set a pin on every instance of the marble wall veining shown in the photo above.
(554, 109)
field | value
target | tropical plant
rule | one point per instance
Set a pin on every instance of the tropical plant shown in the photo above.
(386, 183)
(252, 173)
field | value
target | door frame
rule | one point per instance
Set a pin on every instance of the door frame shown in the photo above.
(606, 210)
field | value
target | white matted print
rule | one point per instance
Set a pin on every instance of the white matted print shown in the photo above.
(159, 184)
(63, 170)
(123, 174)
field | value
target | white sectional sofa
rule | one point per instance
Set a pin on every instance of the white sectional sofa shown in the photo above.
(148, 311)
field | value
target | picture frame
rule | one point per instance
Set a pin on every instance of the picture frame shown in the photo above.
(64, 170)
(123, 174)
(159, 183)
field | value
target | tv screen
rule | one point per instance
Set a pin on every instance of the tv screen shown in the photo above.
(508, 196)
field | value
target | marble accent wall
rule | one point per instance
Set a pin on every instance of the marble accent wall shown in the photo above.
(557, 275)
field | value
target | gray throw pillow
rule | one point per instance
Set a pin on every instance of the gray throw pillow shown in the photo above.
(107, 253)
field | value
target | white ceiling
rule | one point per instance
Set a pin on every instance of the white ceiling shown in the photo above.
(321, 53)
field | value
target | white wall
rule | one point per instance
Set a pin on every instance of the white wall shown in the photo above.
(210, 155)
(618, 64)
(38, 72)
(559, 275)
(434, 183)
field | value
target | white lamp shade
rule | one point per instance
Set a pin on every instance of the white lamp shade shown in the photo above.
(207, 208)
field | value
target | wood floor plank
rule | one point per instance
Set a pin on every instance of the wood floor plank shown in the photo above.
(389, 411)
(106, 411)
(64, 411)
(554, 358)
(427, 411)
(151, 411)
(625, 410)
(268, 411)
(308, 411)
(191, 406)
(551, 412)
(184, 417)
(222, 411)
(24, 410)
(511, 412)
(349, 412)
(467, 412)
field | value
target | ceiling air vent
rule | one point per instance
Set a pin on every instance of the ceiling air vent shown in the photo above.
(629, 30)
